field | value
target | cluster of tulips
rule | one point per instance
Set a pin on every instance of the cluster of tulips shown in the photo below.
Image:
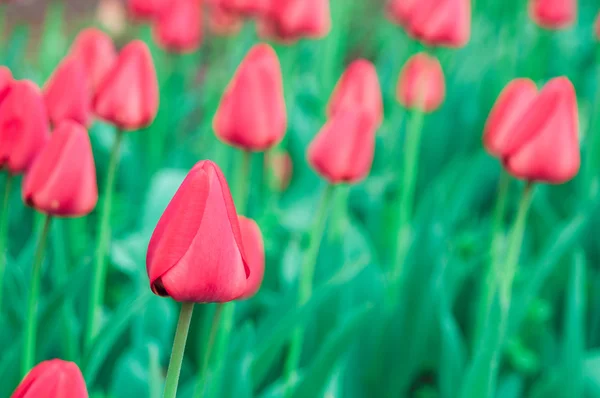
(202, 251)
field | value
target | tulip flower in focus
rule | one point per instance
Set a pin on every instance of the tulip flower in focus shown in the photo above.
(128, 96)
(282, 168)
(252, 113)
(97, 52)
(179, 27)
(62, 180)
(196, 253)
(553, 14)
(254, 248)
(296, 19)
(147, 9)
(421, 84)
(52, 379)
(6, 81)
(23, 126)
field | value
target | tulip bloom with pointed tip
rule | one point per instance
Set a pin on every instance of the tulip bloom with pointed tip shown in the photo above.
(254, 248)
(296, 19)
(553, 14)
(62, 180)
(252, 112)
(97, 52)
(52, 379)
(196, 253)
(6, 81)
(179, 27)
(128, 95)
(421, 84)
(147, 9)
(23, 126)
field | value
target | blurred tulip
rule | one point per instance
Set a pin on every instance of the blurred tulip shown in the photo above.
(147, 9)
(6, 81)
(296, 19)
(358, 87)
(179, 27)
(112, 16)
(62, 179)
(128, 96)
(254, 248)
(252, 113)
(23, 126)
(282, 168)
(196, 253)
(398, 11)
(421, 84)
(223, 23)
(551, 154)
(553, 14)
(52, 379)
(97, 52)
(342, 152)
(66, 93)
(499, 137)
(246, 7)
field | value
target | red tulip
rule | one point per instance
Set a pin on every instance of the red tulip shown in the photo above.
(128, 96)
(344, 148)
(23, 126)
(62, 180)
(252, 112)
(513, 103)
(97, 52)
(551, 154)
(282, 168)
(222, 22)
(52, 379)
(6, 81)
(147, 9)
(179, 26)
(295, 19)
(66, 94)
(246, 7)
(553, 14)
(358, 87)
(421, 84)
(196, 253)
(254, 248)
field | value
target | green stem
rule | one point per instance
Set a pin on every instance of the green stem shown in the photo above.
(181, 334)
(4, 231)
(214, 329)
(99, 279)
(34, 292)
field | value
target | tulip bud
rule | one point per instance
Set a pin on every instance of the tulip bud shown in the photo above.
(344, 148)
(222, 22)
(97, 52)
(358, 87)
(23, 126)
(6, 81)
(553, 14)
(421, 84)
(254, 248)
(128, 95)
(499, 137)
(295, 19)
(196, 253)
(552, 153)
(147, 9)
(252, 112)
(62, 179)
(179, 27)
(246, 7)
(52, 379)
(282, 168)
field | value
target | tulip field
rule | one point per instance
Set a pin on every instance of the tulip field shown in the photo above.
(300, 198)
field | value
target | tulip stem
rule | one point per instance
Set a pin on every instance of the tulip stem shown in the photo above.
(99, 281)
(203, 376)
(34, 292)
(181, 334)
(4, 232)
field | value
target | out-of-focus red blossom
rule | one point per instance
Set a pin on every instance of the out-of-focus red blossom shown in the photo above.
(282, 168)
(196, 253)
(358, 87)
(147, 9)
(52, 379)
(179, 27)
(553, 14)
(421, 84)
(97, 52)
(342, 152)
(112, 16)
(62, 179)
(67, 94)
(6, 81)
(252, 113)
(499, 137)
(128, 95)
(597, 27)
(245, 7)
(23, 126)
(222, 22)
(254, 247)
(551, 153)
(296, 19)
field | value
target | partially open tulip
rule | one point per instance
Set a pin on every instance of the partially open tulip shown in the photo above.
(62, 179)
(6, 80)
(282, 168)
(344, 148)
(179, 27)
(296, 19)
(358, 87)
(128, 95)
(499, 137)
(23, 126)
(421, 84)
(252, 112)
(52, 379)
(254, 248)
(246, 7)
(97, 52)
(553, 14)
(147, 9)
(196, 253)
(67, 94)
